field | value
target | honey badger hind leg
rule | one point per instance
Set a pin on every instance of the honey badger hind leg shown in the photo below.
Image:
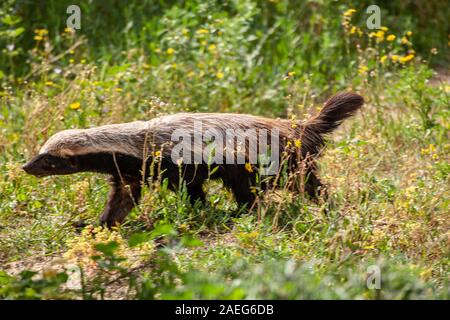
(314, 187)
(124, 195)
(308, 183)
(318, 193)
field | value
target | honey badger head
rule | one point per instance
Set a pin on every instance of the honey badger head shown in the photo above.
(57, 156)
(46, 164)
(80, 150)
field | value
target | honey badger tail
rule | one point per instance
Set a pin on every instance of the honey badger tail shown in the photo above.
(335, 110)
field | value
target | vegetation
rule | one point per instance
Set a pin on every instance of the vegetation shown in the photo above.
(388, 168)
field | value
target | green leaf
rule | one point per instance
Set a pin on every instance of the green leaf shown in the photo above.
(17, 32)
(4, 278)
(107, 248)
(138, 238)
(190, 241)
(164, 229)
(11, 20)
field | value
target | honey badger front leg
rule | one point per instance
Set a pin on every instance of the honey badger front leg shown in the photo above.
(124, 195)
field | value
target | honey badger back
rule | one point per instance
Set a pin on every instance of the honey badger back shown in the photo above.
(125, 152)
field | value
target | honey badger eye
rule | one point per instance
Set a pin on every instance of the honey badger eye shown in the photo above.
(49, 163)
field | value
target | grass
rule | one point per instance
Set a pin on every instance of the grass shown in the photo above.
(387, 168)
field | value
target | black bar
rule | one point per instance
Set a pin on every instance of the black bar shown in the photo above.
(207, 309)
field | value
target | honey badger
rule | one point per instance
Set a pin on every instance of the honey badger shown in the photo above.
(128, 151)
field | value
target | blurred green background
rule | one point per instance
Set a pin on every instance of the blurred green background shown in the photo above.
(248, 45)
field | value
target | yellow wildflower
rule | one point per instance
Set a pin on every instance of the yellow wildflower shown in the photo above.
(407, 58)
(394, 57)
(219, 75)
(74, 105)
(202, 31)
(49, 83)
(212, 47)
(349, 12)
(379, 35)
(157, 153)
(353, 30)
(383, 58)
(390, 38)
(170, 51)
(405, 41)
(409, 33)
(298, 143)
(430, 150)
(38, 38)
(41, 32)
(384, 29)
(248, 167)
(363, 69)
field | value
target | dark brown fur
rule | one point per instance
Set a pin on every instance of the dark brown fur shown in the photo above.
(124, 151)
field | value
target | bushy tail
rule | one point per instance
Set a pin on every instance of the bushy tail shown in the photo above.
(335, 110)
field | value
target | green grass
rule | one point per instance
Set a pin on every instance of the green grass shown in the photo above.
(387, 168)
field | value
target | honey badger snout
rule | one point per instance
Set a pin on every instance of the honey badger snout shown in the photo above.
(32, 167)
(28, 168)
